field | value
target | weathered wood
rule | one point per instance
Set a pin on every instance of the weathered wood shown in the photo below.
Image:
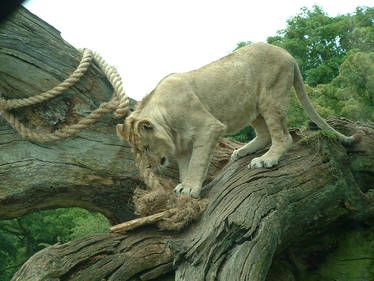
(139, 222)
(255, 215)
(252, 216)
(87, 170)
(102, 257)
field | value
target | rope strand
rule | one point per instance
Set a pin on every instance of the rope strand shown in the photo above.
(118, 105)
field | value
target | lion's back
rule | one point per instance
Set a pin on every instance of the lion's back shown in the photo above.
(228, 88)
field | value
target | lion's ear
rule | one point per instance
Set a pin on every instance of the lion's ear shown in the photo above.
(145, 125)
(121, 131)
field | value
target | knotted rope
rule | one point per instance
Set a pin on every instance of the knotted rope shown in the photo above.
(175, 212)
(118, 105)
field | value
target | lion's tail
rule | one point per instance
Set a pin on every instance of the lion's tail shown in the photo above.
(308, 107)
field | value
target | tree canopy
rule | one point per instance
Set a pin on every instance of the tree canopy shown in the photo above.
(22, 237)
(321, 43)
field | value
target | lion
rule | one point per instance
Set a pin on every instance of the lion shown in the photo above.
(183, 117)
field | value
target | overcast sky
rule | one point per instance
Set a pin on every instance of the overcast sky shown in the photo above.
(148, 39)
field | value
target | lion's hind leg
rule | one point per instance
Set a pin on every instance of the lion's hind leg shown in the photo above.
(281, 139)
(260, 141)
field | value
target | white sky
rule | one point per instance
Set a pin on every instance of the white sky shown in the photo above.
(148, 39)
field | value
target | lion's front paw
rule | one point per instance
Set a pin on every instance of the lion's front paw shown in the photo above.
(190, 191)
(262, 162)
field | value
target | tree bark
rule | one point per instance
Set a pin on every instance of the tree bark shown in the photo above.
(86, 170)
(253, 216)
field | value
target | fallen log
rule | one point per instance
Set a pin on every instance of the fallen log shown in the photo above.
(253, 216)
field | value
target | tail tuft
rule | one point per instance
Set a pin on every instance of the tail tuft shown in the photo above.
(357, 137)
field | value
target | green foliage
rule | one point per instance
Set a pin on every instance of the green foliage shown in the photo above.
(355, 86)
(351, 93)
(244, 135)
(315, 40)
(336, 57)
(320, 43)
(8, 254)
(20, 238)
(320, 135)
(361, 37)
(89, 223)
(242, 44)
(296, 116)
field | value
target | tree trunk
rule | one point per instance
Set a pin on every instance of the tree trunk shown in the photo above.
(253, 218)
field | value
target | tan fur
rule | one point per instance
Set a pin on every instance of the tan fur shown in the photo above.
(186, 113)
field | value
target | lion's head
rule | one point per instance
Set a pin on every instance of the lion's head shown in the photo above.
(149, 139)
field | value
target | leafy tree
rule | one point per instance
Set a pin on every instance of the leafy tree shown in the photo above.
(335, 57)
(350, 94)
(22, 237)
(361, 36)
(244, 135)
(355, 87)
(8, 255)
(320, 43)
(89, 223)
(315, 40)
(242, 44)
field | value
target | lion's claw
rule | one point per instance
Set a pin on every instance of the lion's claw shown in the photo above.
(261, 162)
(190, 191)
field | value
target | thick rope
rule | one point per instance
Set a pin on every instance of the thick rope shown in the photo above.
(119, 103)
(59, 89)
(160, 198)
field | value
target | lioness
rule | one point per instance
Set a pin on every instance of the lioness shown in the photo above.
(187, 112)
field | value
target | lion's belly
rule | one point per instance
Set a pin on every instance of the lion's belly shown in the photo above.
(229, 92)
(234, 108)
(237, 116)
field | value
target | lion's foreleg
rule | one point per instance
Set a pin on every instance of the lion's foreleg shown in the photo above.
(201, 156)
(183, 163)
